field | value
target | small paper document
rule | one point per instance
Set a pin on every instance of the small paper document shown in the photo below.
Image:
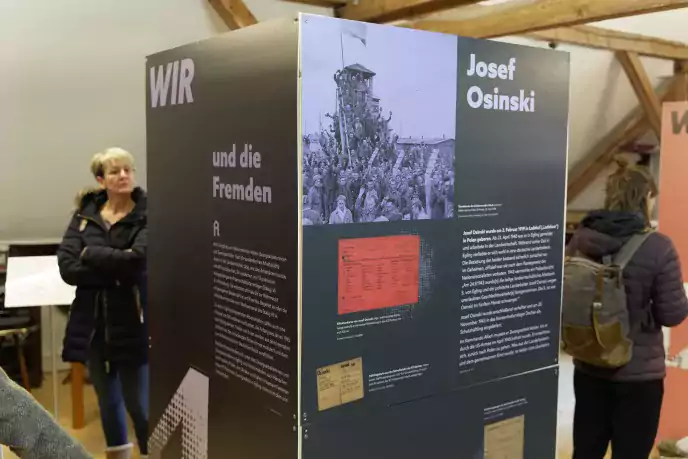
(505, 439)
(340, 383)
(36, 281)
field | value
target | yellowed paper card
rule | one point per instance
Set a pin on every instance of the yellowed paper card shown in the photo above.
(505, 439)
(352, 380)
(340, 383)
(329, 394)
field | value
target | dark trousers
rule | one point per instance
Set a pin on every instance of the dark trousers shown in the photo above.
(122, 387)
(625, 414)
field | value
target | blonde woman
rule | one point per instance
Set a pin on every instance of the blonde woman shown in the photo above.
(103, 254)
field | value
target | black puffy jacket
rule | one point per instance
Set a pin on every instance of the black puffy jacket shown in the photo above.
(110, 277)
(655, 294)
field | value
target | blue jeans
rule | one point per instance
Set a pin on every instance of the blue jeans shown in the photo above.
(122, 386)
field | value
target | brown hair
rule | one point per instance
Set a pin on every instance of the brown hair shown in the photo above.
(628, 189)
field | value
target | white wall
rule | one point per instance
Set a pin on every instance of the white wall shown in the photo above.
(72, 82)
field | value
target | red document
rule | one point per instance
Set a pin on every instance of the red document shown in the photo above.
(378, 272)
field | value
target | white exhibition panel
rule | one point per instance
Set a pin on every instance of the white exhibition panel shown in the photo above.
(36, 281)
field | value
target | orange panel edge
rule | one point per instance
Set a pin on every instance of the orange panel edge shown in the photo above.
(673, 222)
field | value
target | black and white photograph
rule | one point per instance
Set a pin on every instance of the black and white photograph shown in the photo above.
(378, 125)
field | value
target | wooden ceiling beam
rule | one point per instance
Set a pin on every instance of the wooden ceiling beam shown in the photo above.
(323, 3)
(597, 37)
(629, 129)
(681, 88)
(391, 10)
(643, 89)
(596, 160)
(518, 17)
(234, 13)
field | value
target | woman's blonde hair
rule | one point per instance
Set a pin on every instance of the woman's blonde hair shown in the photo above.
(99, 164)
(105, 158)
(629, 188)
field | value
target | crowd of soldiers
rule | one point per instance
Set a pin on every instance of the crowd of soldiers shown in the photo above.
(362, 178)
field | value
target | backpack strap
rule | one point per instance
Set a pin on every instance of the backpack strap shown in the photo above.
(630, 248)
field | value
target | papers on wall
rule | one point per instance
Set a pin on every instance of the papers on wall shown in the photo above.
(35, 281)
(505, 439)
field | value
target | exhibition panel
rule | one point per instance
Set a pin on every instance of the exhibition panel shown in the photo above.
(357, 242)
(223, 253)
(673, 223)
(441, 263)
(511, 167)
(510, 418)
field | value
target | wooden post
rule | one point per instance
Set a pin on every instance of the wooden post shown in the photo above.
(19, 341)
(627, 130)
(643, 89)
(613, 40)
(234, 13)
(78, 418)
(523, 16)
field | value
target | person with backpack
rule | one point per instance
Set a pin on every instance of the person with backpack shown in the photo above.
(622, 284)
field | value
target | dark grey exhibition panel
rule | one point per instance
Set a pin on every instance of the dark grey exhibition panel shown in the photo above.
(488, 273)
(418, 336)
(243, 92)
(448, 426)
(356, 237)
(516, 159)
(511, 164)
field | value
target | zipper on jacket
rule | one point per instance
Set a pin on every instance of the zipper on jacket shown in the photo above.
(95, 317)
(139, 309)
(95, 312)
(107, 333)
(91, 219)
(105, 305)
